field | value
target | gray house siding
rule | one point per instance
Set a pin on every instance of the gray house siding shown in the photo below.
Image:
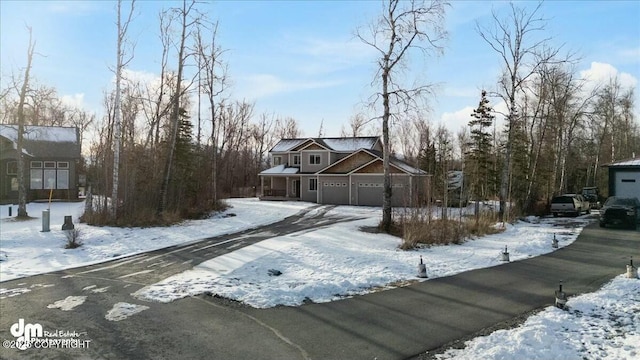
(305, 193)
(307, 167)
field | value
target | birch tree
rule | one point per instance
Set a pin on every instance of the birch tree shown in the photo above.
(120, 64)
(404, 27)
(22, 187)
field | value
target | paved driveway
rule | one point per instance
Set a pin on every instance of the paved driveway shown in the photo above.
(394, 324)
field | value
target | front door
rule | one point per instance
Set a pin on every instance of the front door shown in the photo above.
(295, 187)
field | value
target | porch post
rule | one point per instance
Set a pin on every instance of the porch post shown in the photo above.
(286, 185)
(261, 186)
(411, 191)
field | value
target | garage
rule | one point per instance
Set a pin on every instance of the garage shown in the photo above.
(370, 193)
(624, 178)
(335, 192)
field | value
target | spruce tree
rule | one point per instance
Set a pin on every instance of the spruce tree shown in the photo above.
(480, 150)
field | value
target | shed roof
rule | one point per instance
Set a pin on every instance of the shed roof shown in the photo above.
(635, 162)
(45, 141)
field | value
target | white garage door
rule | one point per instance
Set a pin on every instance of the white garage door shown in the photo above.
(628, 184)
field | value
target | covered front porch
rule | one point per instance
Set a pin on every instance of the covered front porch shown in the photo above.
(279, 187)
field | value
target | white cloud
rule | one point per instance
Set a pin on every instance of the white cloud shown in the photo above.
(73, 101)
(139, 76)
(322, 56)
(454, 121)
(264, 85)
(601, 73)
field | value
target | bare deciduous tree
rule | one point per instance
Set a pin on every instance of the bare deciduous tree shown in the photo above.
(515, 41)
(186, 22)
(22, 188)
(402, 28)
(120, 64)
(215, 80)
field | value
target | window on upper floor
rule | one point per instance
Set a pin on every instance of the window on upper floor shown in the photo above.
(277, 160)
(314, 159)
(296, 160)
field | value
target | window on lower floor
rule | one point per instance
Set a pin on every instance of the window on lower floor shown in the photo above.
(313, 184)
(12, 168)
(51, 177)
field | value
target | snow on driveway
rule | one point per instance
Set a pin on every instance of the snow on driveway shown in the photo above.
(25, 250)
(340, 260)
(332, 262)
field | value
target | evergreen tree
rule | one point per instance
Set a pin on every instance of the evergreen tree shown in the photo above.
(480, 147)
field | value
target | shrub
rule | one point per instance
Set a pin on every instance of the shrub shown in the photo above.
(148, 217)
(419, 227)
(73, 239)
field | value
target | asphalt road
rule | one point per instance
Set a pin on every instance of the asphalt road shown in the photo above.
(394, 324)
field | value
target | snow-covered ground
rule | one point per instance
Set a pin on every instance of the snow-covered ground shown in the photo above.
(25, 250)
(600, 325)
(335, 261)
(341, 260)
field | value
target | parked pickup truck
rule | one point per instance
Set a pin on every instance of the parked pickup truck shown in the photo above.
(569, 204)
(592, 195)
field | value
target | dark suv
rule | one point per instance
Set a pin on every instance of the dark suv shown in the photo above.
(620, 211)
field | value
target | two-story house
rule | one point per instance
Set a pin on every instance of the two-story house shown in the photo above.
(341, 171)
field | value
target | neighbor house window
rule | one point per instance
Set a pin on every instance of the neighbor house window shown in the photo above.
(313, 184)
(49, 175)
(277, 160)
(314, 159)
(12, 168)
(36, 179)
(296, 159)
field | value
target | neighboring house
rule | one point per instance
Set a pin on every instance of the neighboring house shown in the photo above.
(624, 178)
(341, 171)
(51, 156)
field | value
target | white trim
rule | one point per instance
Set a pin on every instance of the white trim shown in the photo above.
(344, 158)
(378, 159)
(313, 142)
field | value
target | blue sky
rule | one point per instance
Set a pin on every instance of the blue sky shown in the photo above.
(300, 58)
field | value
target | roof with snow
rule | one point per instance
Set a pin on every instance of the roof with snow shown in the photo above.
(280, 169)
(44, 141)
(344, 144)
(635, 162)
(400, 164)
